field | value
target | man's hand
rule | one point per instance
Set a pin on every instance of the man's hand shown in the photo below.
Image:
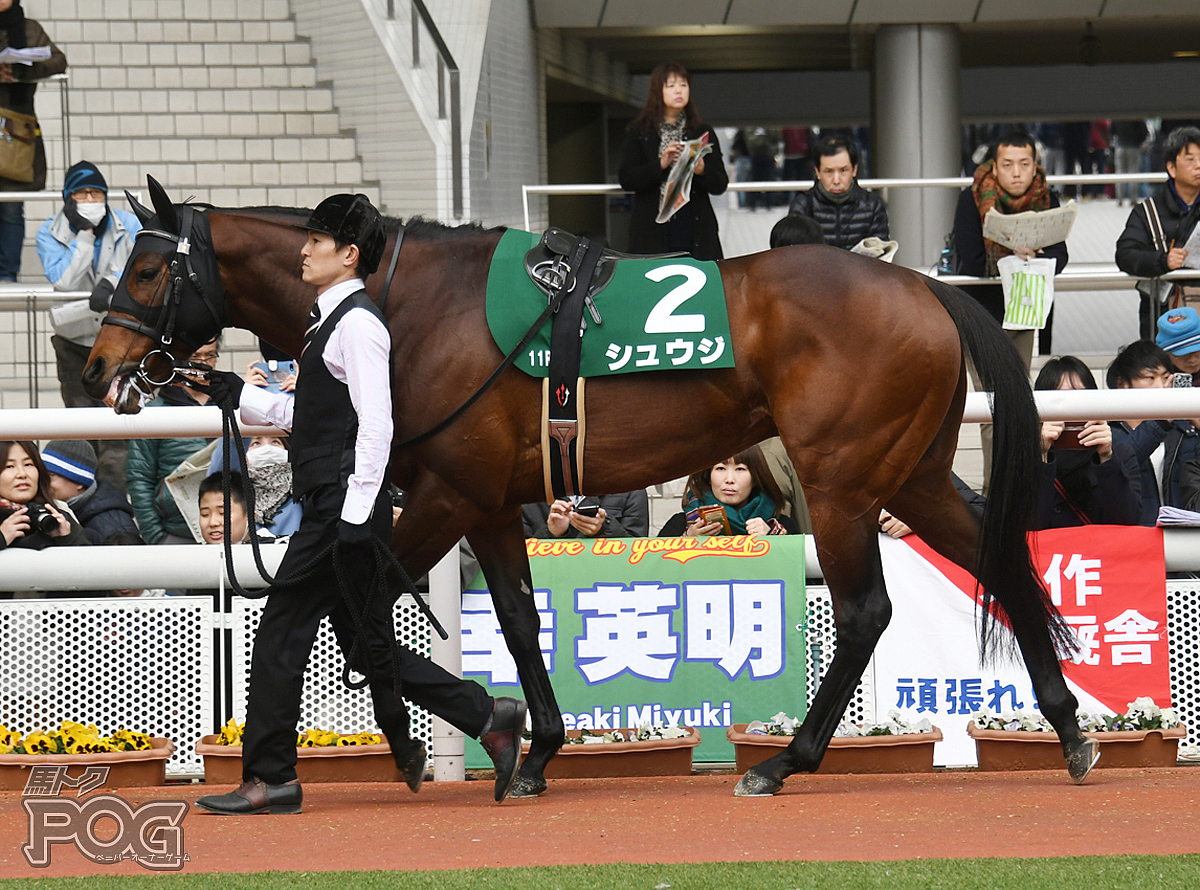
(589, 526)
(353, 535)
(1026, 253)
(559, 519)
(1175, 258)
(6, 74)
(890, 525)
(225, 388)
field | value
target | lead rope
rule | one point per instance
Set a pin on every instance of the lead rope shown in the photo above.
(231, 435)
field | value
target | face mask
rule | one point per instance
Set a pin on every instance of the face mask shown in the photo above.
(266, 455)
(93, 212)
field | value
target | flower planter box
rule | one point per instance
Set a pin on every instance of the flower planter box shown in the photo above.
(350, 763)
(999, 749)
(126, 769)
(909, 753)
(653, 757)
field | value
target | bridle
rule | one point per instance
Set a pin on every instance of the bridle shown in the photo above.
(168, 315)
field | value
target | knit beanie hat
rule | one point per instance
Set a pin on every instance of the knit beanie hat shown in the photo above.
(1179, 331)
(82, 176)
(73, 459)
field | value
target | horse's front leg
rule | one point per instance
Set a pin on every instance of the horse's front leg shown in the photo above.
(500, 548)
(854, 572)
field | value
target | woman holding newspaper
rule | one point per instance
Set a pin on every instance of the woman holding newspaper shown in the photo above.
(672, 162)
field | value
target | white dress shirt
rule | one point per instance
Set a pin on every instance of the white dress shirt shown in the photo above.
(356, 355)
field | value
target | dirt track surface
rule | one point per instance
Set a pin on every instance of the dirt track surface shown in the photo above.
(693, 819)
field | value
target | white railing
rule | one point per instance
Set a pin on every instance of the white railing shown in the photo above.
(1182, 545)
(800, 185)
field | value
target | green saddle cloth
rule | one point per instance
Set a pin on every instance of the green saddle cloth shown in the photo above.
(656, 315)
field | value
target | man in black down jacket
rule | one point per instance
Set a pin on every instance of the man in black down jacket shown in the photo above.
(846, 212)
(1177, 202)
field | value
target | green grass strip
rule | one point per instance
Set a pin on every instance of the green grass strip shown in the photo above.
(1090, 872)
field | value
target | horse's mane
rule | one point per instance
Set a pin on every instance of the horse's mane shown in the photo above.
(416, 226)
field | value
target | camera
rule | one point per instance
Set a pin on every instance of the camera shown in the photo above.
(398, 495)
(40, 518)
(1070, 436)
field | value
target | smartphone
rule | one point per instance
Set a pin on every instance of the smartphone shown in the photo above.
(710, 513)
(1070, 436)
(276, 372)
(587, 507)
(1182, 380)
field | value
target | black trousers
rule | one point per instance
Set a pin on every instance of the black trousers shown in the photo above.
(285, 637)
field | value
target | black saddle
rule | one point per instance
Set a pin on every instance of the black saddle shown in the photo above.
(548, 267)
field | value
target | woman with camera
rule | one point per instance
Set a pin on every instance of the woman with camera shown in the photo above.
(1086, 477)
(738, 496)
(29, 516)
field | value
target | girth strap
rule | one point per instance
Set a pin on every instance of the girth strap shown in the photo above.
(566, 340)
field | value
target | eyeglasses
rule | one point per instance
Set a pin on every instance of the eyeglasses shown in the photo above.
(206, 358)
(89, 195)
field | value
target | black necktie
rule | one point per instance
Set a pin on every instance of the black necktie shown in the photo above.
(314, 322)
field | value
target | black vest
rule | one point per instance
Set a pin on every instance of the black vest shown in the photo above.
(324, 423)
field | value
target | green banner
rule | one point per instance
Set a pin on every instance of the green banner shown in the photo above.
(668, 631)
(656, 315)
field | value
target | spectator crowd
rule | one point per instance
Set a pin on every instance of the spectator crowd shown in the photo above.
(153, 491)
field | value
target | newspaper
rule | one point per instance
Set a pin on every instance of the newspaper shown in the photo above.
(1034, 229)
(24, 56)
(1174, 516)
(1192, 246)
(679, 181)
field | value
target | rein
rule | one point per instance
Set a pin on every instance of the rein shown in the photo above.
(382, 557)
(173, 316)
(564, 283)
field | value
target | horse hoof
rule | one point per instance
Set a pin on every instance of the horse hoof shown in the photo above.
(523, 786)
(1082, 759)
(756, 785)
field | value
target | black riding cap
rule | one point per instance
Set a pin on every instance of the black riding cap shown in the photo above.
(352, 219)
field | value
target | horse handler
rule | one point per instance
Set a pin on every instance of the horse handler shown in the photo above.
(341, 441)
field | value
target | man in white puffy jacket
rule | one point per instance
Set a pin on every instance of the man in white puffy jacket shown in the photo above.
(84, 247)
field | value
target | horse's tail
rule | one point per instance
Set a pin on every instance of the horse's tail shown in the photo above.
(1005, 569)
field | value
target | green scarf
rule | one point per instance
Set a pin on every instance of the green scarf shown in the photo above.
(758, 504)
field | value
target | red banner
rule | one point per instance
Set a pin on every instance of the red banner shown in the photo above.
(1108, 582)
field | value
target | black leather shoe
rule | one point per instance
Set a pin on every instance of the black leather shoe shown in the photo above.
(254, 797)
(503, 742)
(412, 767)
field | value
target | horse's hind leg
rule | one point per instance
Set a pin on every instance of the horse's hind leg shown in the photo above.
(861, 610)
(500, 548)
(930, 505)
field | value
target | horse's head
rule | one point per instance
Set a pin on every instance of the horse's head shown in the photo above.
(168, 303)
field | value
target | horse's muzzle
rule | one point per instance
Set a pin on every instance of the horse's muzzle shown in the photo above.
(93, 378)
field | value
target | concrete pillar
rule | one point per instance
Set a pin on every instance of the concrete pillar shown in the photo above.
(445, 598)
(916, 132)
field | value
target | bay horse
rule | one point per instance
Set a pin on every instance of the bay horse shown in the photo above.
(859, 366)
